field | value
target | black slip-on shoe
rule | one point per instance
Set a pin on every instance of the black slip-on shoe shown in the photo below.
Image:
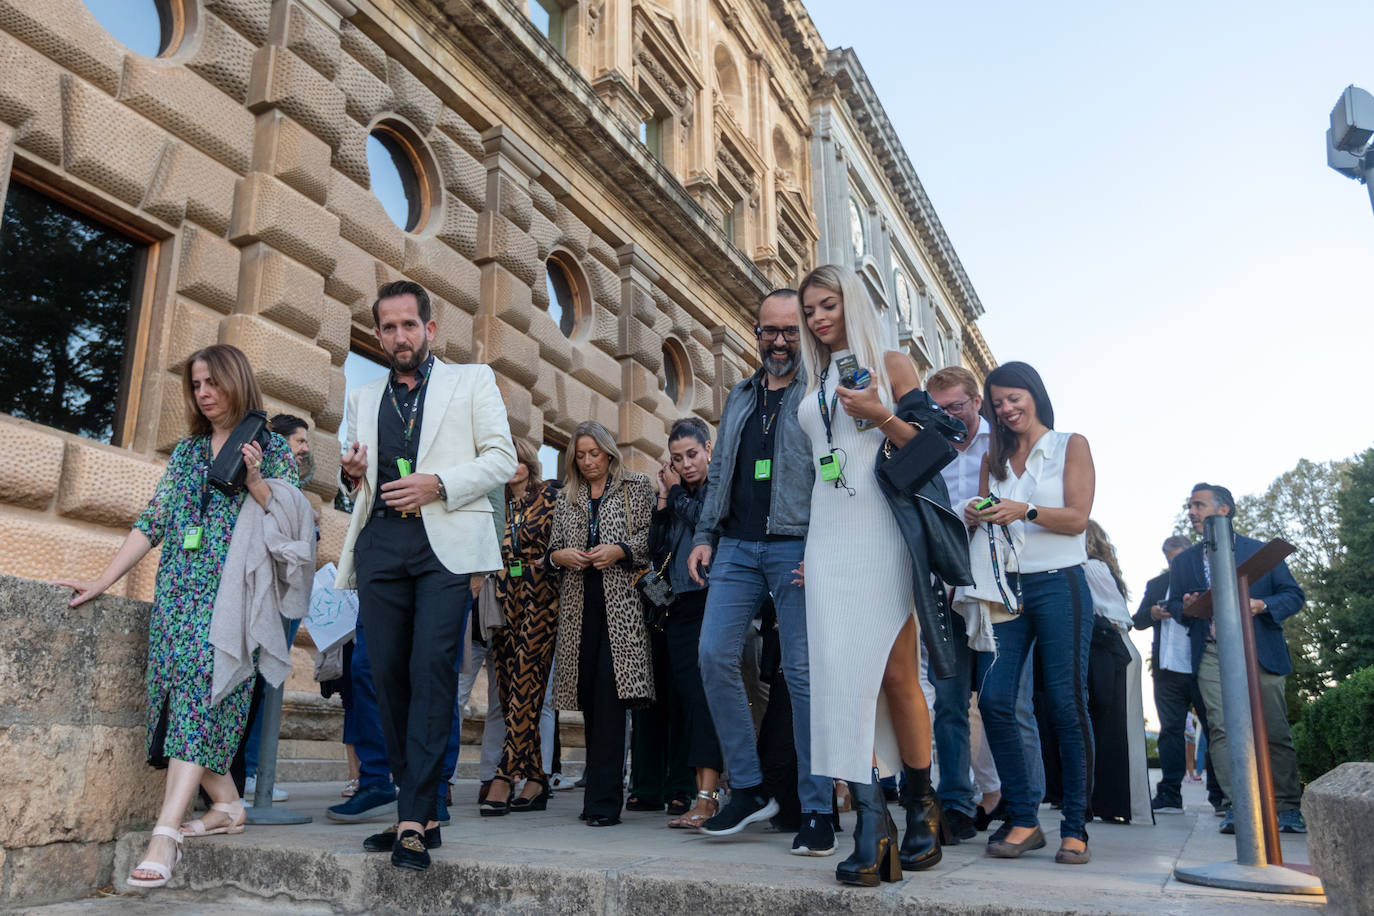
(410, 852)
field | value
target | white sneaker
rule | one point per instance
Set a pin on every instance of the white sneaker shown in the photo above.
(559, 781)
(250, 788)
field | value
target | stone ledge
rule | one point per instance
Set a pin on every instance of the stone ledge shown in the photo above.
(1339, 810)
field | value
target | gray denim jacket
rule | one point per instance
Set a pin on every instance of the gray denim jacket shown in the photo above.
(794, 473)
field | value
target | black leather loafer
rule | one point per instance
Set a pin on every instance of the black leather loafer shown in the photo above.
(386, 840)
(410, 852)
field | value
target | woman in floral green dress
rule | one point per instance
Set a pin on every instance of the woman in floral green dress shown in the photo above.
(193, 739)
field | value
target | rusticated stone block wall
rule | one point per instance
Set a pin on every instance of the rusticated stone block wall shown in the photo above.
(71, 738)
(242, 154)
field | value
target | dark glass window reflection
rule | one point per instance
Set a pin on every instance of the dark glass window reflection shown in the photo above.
(66, 288)
(562, 301)
(672, 385)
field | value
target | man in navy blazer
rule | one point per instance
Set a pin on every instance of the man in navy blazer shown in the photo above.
(1274, 597)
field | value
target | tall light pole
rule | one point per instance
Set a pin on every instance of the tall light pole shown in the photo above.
(1348, 139)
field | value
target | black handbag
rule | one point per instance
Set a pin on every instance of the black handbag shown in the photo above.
(657, 592)
(915, 464)
(228, 472)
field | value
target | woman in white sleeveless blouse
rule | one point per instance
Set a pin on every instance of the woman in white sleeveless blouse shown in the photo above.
(866, 697)
(1044, 481)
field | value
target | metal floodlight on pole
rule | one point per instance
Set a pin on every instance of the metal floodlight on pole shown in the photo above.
(1253, 868)
(1348, 139)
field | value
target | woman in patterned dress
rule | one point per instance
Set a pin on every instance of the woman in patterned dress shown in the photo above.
(194, 740)
(523, 648)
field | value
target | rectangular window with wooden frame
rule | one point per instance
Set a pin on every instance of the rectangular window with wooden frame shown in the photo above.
(73, 314)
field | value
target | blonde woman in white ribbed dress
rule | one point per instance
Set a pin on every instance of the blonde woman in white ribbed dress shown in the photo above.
(866, 699)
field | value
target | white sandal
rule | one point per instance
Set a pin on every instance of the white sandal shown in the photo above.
(235, 825)
(164, 871)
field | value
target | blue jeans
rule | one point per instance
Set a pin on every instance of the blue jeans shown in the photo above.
(1058, 615)
(951, 726)
(365, 727)
(743, 574)
(250, 749)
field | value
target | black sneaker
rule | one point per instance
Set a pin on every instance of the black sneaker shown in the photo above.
(374, 801)
(1161, 805)
(744, 807)
(816, 837)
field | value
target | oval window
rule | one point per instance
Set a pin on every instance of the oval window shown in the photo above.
(152, 28)
(677, 373)
(562, 297)
(396, 177)
(903, 291)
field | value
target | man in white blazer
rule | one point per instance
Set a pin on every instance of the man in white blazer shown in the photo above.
(428, 442)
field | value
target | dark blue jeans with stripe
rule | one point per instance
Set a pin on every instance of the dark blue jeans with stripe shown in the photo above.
(1058, 621)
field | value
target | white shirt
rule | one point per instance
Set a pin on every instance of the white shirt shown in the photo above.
(1107, 600)
(961, 474)
(1175, 648)
(1042, 485)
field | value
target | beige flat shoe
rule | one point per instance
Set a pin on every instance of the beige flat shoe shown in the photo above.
(197, 827)
(164, 872)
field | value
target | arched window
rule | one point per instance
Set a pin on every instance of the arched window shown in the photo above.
(857, 236)
(677, 373)
(727, 77)
(153, 28)
(902, 293)
(564, 294)
(401, 174)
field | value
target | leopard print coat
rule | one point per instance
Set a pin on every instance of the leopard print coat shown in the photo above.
(634, 675)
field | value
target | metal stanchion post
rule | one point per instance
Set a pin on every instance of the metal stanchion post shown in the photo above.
(1250, 871)
(262, 810)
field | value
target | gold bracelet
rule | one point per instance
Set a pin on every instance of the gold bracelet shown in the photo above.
(890, 418)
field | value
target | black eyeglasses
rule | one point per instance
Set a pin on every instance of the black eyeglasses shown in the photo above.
(791, 333)
(956, 407)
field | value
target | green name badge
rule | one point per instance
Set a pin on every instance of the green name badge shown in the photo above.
(403, 465)
(517, 569)
(192, 539)
(830, 467)
(763, 469)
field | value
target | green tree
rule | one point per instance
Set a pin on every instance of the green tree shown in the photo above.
(1347, 590)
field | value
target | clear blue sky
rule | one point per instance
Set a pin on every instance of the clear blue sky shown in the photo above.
(1140, 195)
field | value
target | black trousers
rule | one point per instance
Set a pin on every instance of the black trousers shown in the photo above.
(603, 713)
(1174, 693)
(682, 634)
(412, 609)
(659, 770)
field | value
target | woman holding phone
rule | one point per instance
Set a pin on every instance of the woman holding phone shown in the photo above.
(858, 577)
(1043, 481)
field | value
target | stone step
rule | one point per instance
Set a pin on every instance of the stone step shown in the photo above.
(305, 769)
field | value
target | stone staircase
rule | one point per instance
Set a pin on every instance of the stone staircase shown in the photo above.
(311, 749)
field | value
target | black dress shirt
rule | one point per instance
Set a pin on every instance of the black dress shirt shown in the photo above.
(394, 417)
(750, 499)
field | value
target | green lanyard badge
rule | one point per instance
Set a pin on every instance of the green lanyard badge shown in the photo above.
(517, 569)
(403, 466)
(763, 469)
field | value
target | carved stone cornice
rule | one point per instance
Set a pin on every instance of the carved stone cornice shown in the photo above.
(847, 75)
(556, 100)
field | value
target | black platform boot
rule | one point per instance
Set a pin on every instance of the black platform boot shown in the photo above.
(921, 844)
(875, 839)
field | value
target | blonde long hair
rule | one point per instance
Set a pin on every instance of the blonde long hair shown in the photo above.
(1100, 547)
(606, 442)
(862, 328)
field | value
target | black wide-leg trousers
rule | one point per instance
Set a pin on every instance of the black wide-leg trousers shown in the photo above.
(412, 608)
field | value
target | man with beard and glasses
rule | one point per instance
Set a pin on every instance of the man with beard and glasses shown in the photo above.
(421, 527)
(752, 534)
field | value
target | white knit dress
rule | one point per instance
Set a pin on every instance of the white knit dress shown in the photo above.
(858, 596)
